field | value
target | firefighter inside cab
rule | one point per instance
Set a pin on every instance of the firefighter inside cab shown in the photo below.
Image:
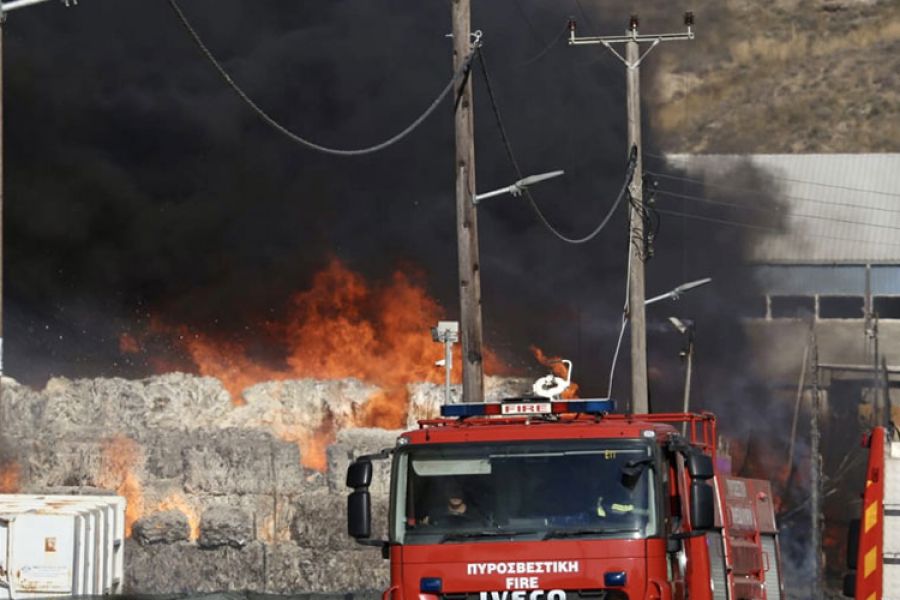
(454, 507)
(618, 503)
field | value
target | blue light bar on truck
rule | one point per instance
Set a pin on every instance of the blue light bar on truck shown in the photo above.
(512, 408)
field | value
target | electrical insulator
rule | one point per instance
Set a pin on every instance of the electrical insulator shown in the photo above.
(633, 23)
(572, 26)
(689, 19)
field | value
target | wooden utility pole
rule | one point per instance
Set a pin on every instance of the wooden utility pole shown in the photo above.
(636, 295)
(636, 250)
(466, 220)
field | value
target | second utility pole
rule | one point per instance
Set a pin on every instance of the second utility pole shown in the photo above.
(466, 223)
(637, 255)
(640, 402)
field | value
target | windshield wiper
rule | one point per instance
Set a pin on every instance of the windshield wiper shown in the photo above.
(472, 535)
(564, 533)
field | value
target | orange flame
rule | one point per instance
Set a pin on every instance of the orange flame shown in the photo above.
(341, 327)
(176, 501)
(10, 477)
(120, 455)
(558, 369)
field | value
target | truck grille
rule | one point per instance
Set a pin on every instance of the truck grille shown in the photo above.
(570, 595)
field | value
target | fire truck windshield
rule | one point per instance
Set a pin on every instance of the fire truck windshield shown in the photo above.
(524, 490)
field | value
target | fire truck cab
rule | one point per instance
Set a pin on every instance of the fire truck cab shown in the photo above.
(536, 499)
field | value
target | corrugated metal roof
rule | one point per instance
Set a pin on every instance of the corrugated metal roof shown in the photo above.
(844, 208)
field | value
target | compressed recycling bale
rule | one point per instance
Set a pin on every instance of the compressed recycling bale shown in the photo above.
(347, 570)
(290, 477)
(319, 521)
(166, 527)
(64, 461)
(301, 404)
(187, 568)
(353, 443)
(230, 461)
(21, 410)
(225, 526)
(288, 568)
(164, 452)
(174, 401)
(291, 570)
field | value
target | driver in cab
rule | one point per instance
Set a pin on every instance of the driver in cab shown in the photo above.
(455, 510)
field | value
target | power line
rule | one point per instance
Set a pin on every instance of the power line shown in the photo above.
(527, 19)
(776, 211)
(716, 202)
(818, 183)
(546, 48)
(764, 194)
(744, 225)
(841, 187)
(719, 221)
(462, 71)
(632, 163)
(585, 15)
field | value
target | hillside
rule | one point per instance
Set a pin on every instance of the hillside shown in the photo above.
(783, 76)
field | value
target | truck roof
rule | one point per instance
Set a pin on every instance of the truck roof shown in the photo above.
(438, 431)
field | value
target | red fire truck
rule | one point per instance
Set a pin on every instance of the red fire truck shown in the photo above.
(540, 499)
(873, 548)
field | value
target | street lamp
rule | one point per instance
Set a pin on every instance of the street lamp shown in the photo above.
(518, 187)
(674, 294)
(8, 6)
(678, 291)
(686, 328)
(447, 333)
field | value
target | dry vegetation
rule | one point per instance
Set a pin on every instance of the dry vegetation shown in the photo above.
(784, 76)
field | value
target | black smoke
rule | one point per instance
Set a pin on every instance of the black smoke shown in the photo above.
(138, 184)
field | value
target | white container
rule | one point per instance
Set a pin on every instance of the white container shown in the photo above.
(87, 553)
(39, 534)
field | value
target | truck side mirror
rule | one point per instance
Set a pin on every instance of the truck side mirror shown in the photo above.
(700, 466)
(359, 502)
(359, 474)
(359, 514)
(702, 506)
(852, 543)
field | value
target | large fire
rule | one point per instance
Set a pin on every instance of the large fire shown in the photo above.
(10, 477)
(342, 327)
